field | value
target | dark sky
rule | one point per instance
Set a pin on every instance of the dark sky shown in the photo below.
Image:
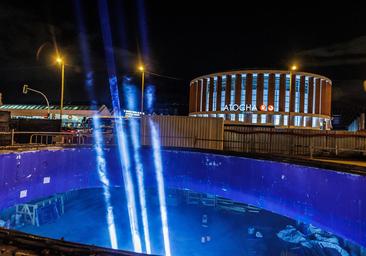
(182, 39)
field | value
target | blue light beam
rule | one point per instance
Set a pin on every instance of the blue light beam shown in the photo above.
(140, 181)
(100, 158)
(130, 93)
(120, 132)
(161, 187)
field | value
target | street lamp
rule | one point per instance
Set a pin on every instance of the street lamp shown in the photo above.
(142, 70)
(61, 62)
(26, 88)
(293, 68)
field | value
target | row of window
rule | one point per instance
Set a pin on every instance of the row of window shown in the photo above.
(277, 120)
(254, 93)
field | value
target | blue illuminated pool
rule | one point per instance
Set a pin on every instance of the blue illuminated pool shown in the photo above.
(293, 206)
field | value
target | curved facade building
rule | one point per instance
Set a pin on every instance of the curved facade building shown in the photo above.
(263, 97)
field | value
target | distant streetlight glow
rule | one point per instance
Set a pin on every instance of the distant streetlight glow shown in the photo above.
(293, 67)
(141, 68)
(59, 60)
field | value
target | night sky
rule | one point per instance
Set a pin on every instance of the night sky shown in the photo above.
(179, 41)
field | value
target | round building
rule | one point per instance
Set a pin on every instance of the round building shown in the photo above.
(287, 99)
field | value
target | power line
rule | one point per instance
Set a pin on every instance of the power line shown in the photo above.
(168, 77)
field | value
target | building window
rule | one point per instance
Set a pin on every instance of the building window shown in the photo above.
(254, 90)
(201, 94)
(223, 93)
(254, 118)
(320, 95)
(214, 98)
(315, 122)
(208, 94)
(277, 119)
(243, 83)
(277, 93)
(297, 120)
(297, 94)
(241, 117)
(287, 98)
(232, 117)
(306, 95)
(285, 120)
(314, 94)
(263, 118)
(232, 93)
(265, 89)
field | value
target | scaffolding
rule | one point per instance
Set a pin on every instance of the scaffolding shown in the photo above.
(30, 213)
(195, 198)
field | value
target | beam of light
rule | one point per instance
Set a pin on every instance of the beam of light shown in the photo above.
(121, 136)
(150, 97)
(154, 135)
(102, 172)
(98, 145)
(140, 180)
(130, 93)
(161, 187)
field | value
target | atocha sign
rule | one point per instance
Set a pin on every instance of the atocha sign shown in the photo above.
(247, 107)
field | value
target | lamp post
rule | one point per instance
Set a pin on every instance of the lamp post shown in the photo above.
(61, 62)
(26, 88)
(142, 70)
(293, 68)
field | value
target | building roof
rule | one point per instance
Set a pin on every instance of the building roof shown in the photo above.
(261, 71)
(44, 107)
(41, 110)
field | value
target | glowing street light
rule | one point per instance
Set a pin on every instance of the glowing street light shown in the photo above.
(142, 70)
(61, 62)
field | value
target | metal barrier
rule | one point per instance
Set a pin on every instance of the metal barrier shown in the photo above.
(294, 142)
(287, 143)
(57, 138)
(236, 138)
(45, 138)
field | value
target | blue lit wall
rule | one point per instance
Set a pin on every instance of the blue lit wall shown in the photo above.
(331, 200)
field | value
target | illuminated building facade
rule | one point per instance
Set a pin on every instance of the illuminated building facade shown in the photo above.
(263, 97)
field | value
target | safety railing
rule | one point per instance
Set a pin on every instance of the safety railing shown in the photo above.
(289, 143)
(295, 142)
(24, 138)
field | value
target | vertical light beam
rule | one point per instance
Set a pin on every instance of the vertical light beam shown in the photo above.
(161, 187)
(100, 158)
(102, 172)
(119, 129)
(131, 99)
(140, 180)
